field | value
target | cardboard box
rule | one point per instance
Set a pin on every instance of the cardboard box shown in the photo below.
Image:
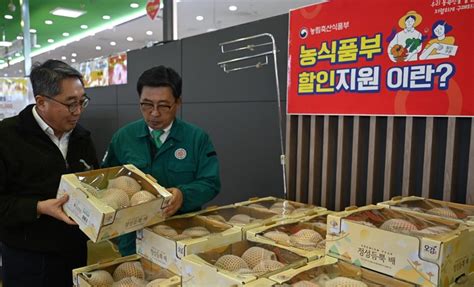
(464, 212)
(199, 269)
(316, 223)
(152, 271)
(290, 209)
(168, 252)
(335, 268)
(100, 221)
(260, 217)
(427, 260)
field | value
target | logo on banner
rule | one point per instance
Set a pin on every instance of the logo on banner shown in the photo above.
(180, 153)
(303, 33)
(152, 8)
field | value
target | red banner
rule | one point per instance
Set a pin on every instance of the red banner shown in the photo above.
(379, 57)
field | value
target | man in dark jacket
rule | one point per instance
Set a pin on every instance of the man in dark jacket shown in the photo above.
(41, 244)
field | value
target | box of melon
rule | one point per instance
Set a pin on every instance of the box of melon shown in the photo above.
(455, 211)
(131, 270)
(304, 236)
(284, 208)
(109, 202)
(427, 251)
(244, 263)
(330, 272)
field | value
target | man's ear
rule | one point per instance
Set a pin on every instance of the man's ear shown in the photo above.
(40, 101)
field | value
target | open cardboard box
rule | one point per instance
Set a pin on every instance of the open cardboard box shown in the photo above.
(332, 268)
(316, 223)
(428, 260)
(289, 209)
(168, 252)
(152, 271)
(100, 221)
(199, 269)
(464, 212)
(260, 217)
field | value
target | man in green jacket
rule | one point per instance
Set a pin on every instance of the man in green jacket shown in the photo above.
(179, 155)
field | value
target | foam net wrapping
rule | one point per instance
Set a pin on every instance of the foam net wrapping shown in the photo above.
(129, 269)
(231, 263)
(438, 208)
(255, 254)
(403, 222)
(140, 197)
(99, 278)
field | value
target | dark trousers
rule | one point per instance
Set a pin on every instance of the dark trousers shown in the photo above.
(27, 268)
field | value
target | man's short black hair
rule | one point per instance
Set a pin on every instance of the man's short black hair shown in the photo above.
(160, 76)
(46, 78)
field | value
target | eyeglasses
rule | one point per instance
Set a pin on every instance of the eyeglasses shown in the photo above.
(148, 107)
(73, 107)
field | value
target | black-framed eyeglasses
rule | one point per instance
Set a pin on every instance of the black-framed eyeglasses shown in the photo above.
(148, 107)
(73, 107)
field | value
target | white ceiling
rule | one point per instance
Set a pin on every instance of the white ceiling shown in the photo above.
(216, 15)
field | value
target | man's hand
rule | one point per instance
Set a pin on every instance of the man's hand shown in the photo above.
(54, 208)
(175, 202)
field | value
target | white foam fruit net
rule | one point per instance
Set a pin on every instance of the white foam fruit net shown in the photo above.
(126, 183)
(231, 263)
(129, 269)
(255, 254)
(196, 231)
(141, 196)
(130, 282)
(99, 278)
(268, 265)
(115, 198)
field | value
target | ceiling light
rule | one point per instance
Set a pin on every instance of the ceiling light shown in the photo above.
(19, 37)
(33, 31)
(211, 29)
(73, 60)
(66, 12)
(98, 48)
(106, 17)
(8, 17)
(63, 58)
(50, 41)
(37, 46)
(84, 27)
(233, 8)
(66, 34)
(149, 33)
(113, 43)
(130, 39)
(199, 18)
(17, 54)
(48, 22)
(73, 55)
(2, 61)
(134, 5)
(5, 75)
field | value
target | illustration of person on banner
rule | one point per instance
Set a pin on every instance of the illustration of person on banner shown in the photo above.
(405, 45)
(440, 46)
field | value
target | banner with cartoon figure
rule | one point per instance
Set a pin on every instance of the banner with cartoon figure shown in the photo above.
(373, 57)
(118, 69)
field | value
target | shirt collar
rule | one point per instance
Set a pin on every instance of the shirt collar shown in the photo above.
(165, 130)
(44, 126)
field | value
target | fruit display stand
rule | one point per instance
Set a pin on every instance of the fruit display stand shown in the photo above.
(330, 272)
(304, 236)
(120, 271)
(97, 218)
(237, 264)
(456, 211)
(282, 207)
(169, 241)
(423, 250)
